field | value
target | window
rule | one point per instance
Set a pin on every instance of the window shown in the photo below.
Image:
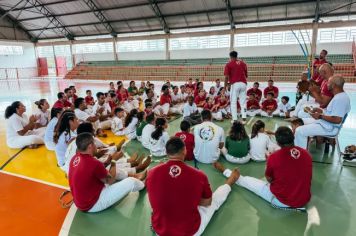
(46, 51)
(93, 48)
(11, 50)
(204, 42)
(329, 35)
(141, 45)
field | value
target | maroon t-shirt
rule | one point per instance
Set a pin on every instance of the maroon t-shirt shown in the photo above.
(236, 70)
(270, 105)
(291, 171)
(85, 175)
(257, 92)
(188, 139)
(174, 191)
(273, 89)
(165, 98)
(325, 91)
(252, 104)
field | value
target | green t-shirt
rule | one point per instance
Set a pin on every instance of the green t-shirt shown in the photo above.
(140, 128)
(132, 90)
(237, 148)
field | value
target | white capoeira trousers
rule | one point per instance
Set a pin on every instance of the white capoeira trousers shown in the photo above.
(31, 137)
(219, 197)
(236, 160)
(253, 113)
(115, 192)
(238, 91)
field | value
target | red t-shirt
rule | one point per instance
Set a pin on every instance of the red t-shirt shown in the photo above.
(291, 171)
(220, 102)
(318, 79)
(122, 97)
(316, 64)
(325, 91)
(112, 105)
(188, 139)
(236, 70)
(257, 92)
(208, 106)
(89, 100)
(85, 175)
(270, 105)
(198, 100)
(191, 86)
(252, 104)
(174, 191)
(59, 104)
(273, 89)
(165, 98)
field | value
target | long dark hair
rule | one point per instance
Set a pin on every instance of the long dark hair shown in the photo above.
(55, 112)
(256, 128)
(237, 131)
(160, 122)
(130, 116)
(140, 116)
(40, 103)
(63, 125)
(10, 110)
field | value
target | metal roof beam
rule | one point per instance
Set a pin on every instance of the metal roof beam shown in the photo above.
(317, 11)
(97, 12)
(158, 13)
(59, 27)
(229, 13)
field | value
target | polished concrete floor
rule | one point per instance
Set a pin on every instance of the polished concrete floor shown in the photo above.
(31, 184)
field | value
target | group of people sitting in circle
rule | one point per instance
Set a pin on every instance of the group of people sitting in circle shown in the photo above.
(101, 174)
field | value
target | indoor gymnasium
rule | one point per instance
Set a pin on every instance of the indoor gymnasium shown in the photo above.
(178, 117)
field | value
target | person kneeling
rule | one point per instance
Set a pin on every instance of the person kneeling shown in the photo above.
(286, 187)
(189, 212)
(93, 187)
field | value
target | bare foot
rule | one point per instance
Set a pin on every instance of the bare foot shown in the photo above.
(138, 161)
(119, 145)
(217, 165)
(141, 176)
(144, 165)
(101, 134)
(33, 146)
(117, 155)
(235, 175)
(132, 158)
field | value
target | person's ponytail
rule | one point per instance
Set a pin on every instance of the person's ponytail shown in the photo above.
(10, 110)
(160, 122)
(256, 128)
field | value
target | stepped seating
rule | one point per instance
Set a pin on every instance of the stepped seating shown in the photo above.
(206, 69)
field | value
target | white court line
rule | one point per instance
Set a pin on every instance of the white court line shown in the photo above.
(68, 221)
(35, 180)
(249, 122)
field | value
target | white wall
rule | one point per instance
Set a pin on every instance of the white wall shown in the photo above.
(149, 55)
(27, 60)
(94, 57)
(200, 53)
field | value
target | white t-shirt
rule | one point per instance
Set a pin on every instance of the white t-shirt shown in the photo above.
(48, 138)
(43, 117)
(106, 106)
(81, 115)
(217, 89)
(284, 107)
(189, 109)
(14, 124)
(259, 145)
(117, 126)
(158, 147)
(176, 97)
(146, 135)
(62, 145)
(207, 136)
(130, 130)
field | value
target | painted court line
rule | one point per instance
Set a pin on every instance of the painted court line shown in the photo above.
(68, 221)
(35, 180)
(11, 158)
(249, 122)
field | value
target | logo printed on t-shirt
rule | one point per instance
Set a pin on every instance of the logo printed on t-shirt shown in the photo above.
(76, 161)
(295, 153)
(207, 133)
(175, 171)
(182, 137)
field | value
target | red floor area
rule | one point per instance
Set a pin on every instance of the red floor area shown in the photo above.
(29, 208)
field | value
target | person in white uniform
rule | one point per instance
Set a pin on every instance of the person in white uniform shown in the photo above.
(177, 101)
(190, 112)
(22, 131)
(329, 121)
(130, 124)
(284, 108)
(159, 138)
(103, 109)
(43, 113)
(147, 131)
(49, 133)
(209, 139)
(117, 125)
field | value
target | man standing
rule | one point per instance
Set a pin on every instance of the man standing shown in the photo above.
(180, 196)
(316, 65)
(328, 122)
(236, 75)
(209, 139)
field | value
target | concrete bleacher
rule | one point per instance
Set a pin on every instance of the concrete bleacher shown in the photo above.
(282, 68)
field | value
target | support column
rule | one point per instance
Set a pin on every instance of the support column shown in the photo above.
(314, 39)
(232, 40)
(55, 60)
(114, 44)
(168, 53)
(72, 55)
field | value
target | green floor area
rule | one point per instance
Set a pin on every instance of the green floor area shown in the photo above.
(330, 212)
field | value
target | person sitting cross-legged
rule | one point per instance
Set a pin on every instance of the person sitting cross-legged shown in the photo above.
(288, 174)
(93, 187)
(180, 196)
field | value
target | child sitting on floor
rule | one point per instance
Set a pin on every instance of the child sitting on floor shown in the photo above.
(187, 138)
(209, 105)
(131, 122)
(269, 105)
(284, 108)
(253, 107)
(159, 138)
(117, 126)
(261, 144)
(89, 100)
(237, 145)
(223, 103)
(200, 100)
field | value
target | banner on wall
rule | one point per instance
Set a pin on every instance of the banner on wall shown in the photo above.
(61, 66)
(42, 66)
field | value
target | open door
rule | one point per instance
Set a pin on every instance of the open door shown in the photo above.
(61, 66)
(42, 66)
